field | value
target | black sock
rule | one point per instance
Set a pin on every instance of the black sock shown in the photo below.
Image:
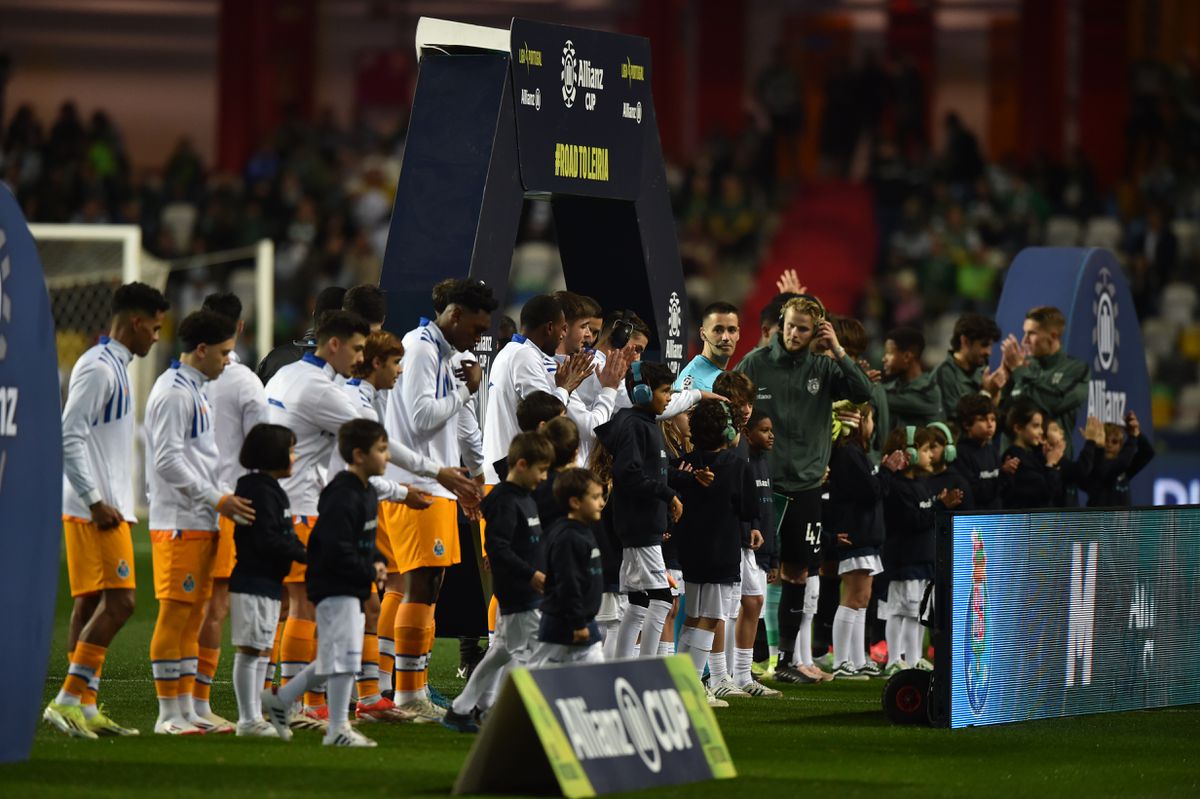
(761, 650)
(791, 608)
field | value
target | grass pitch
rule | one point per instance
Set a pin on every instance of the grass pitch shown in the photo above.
(829, 740)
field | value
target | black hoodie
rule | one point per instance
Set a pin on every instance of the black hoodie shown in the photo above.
(979, 464)
(909, 510)
(341, 548)
(767, 555)
(514, 546)
(1034, 484)
(265, 549)
(640, 494)
(574, 583)
(855, 501)
(710, 530)
(1108, 484)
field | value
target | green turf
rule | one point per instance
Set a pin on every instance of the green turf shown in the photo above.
(829, 740)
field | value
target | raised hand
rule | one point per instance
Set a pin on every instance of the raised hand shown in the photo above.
(995, 379)
(895, 461)
(1132, 425)
(471, 373)
(613, 374)
(789, 283)
(572, 372)
(1093, 430)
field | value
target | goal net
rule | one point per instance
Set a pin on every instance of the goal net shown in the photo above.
(85, 264)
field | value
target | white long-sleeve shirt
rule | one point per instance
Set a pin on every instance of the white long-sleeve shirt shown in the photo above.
(239, 402)
(98, 429)
(370, 402)
(425, 409)
(181, 452)
(304, 397)
(518, 370)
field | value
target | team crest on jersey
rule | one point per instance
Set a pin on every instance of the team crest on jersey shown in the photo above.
(814, 385)
(123, 569)
(439, 548)
(189, 584)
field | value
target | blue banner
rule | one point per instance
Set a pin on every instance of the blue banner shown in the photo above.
(1060, 613)
(30, 478)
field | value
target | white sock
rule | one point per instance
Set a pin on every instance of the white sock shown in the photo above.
(245, 682)
(914, 636)
(895, 641)
(627, 633)
(731, 643)
(264, 666)
(168, 708)
(843, 635)
(610, 638)
(718, 667)
(652, 629)
(858, 639)
(65, 698)
(637, 650)
(201, 707)
(370, 671)
(387, 646)
(773, 651)
(294, 690)
(188, 666)
(338, 699)
(741, 667)
(90, 711)
(666, 648)
(483, 680)
(699, 644)
(186, 707)
(803, 655)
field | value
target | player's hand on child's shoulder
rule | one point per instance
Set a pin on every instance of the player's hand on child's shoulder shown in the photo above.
(416, 500)
(538, 581)
(240, 509)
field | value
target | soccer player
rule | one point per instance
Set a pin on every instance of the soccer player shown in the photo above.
(305, 397)
(266, 550)
(368, 301)
(518, 574)
(239, 403)
(965, 369)
(98, 431)
(568, 632)
(185, 498)
(913, 396)
(340, 576)
(720, 332)
(424, 411)
(797, 390)
(330, 299)
(1043, 373)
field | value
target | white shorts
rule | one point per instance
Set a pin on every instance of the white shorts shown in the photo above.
(340, 624)
(869, 563)
(546, 654)
(677, 588)
(903, 599)
(252, 620)
(612, 607)
(812, 594)
(516, 633)
(754, 579)
(712, 600)
(642, 569)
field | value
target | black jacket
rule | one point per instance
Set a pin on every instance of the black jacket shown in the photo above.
(950, 479)
(979, 464)
(610, 549)
(1108, 484)
(855, 501)
(265, 549)
(640, 493)
(909, 511)
(284, 354)
(767, 555)
(1034, 484)
(342, 546)
(548, 509)
(514, 546)
(710, 530)
(574, 583)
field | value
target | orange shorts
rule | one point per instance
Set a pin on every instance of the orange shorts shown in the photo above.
(424, 538)
(183, 563)
(382, 541)
(225, 558)
(483, 525)
(98, 559)
(304, 526)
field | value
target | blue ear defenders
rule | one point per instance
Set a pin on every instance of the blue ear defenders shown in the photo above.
(951, 451)
(911, 451)
(641, 394)
(730, 432)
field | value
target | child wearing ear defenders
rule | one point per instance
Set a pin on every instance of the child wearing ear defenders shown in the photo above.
(710, 538)
(942, 453)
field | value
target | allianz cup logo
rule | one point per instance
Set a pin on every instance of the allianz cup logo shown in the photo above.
(1105, 336)
(674, 315)
(637, 724)
(646, 725)
(976, 650)
(568, 73)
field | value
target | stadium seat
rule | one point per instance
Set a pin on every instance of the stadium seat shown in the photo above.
(1187, 232)
(1159, 337)
(1102, 231)
(1187, 409)
(1179, 303)
(1062, 231)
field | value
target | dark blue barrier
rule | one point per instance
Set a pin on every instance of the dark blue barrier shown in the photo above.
(30, 478)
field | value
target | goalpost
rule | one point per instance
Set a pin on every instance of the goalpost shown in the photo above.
(84, 265)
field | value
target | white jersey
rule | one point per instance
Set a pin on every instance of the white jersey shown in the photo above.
(304, 397)
(592, 408)
(239, 402)
(97, 432)
(425, 408)
(181, 452)
(518, 370)
(590, 393)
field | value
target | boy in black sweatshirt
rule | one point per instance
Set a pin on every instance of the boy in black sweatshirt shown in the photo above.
(518, 576)
(1126, 452)
(265, 552)
(574, 576)
(341, 575)
(1036, 482)
(978, 452)
(642, 504)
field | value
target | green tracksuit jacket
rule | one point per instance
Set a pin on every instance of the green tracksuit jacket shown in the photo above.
(1058, 384)
(916, 402)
